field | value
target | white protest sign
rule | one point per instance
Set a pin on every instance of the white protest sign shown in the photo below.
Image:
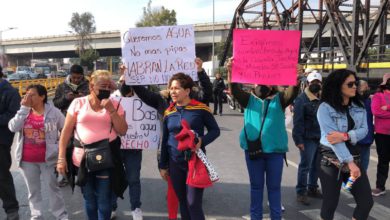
(153, 54)
(143, 125)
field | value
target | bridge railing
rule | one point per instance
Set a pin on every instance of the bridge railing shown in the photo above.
(50, 84)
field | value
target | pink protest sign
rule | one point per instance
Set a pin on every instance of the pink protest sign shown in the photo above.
(265, 57)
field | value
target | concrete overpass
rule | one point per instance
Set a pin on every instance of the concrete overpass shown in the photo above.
(21, 51)
(108, 43)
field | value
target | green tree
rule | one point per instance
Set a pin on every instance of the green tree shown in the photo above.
(84, 25)
(157, 16)
(88, 58)
(219, 50)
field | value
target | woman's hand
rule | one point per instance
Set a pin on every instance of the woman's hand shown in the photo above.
(62, 166)
(199, 64)
(26, 101)
(164, 174)
(384, 108)
(335, 137)
(107, 104)
(122, 69)
(198, 145)
(229, 66)
(354, 169)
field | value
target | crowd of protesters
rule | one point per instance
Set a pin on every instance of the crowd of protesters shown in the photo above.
(336, 120)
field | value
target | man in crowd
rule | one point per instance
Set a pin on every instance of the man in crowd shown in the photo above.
(9, 105)
(218, 87)
(203, 87)
(306, 134)
(75, 85)
(365, 144)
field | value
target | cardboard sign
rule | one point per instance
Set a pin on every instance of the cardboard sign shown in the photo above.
(143, 125)
(265, 57)
(153, 54)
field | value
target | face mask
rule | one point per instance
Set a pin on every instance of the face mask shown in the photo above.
(366, 94)
(262, 91)
(103, 94)
(124, 89)
(314, 88)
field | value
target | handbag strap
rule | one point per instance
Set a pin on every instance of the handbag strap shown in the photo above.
(262, 122)
(112, 125)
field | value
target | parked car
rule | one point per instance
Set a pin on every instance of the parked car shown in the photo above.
(18, 76)
(33, 75)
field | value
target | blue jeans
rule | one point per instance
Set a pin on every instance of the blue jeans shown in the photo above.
(307, 170)
(132, 160)
(270, 166)
(364, 156)
(97, 195)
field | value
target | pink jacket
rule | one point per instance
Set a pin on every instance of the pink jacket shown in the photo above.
(382, 117)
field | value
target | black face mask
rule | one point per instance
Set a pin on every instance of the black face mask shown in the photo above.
(366, 94)
(262, 91)
(103, 94)
(314, 88)
(124, 89)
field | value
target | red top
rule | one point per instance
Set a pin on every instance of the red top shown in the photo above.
(34, 143)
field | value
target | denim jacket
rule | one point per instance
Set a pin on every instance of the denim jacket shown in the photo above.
(332, 120)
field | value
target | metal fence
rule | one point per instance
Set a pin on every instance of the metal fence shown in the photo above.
(50, 84)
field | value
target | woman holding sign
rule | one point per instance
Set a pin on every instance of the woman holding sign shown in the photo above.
(264, 120)
(198, 116)
(95, 121)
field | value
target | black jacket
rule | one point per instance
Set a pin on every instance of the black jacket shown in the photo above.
(60, 101)
(305, 119)
(9, 105)
(205, 88)
(218, 86)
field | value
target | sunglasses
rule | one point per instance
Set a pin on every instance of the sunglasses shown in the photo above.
(352, 83)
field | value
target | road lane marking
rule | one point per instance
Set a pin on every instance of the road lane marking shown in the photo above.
(378, 211)
(314, 214)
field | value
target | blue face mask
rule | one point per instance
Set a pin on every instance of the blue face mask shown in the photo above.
(103, 94)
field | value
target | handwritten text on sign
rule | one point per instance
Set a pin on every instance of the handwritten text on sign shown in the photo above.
(153, 54)
(143, 125)
(265, 57)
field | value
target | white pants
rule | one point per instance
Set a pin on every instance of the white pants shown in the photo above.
(32, 173)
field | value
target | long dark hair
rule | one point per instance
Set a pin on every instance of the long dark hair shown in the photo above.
(331, 90)
(41, 90)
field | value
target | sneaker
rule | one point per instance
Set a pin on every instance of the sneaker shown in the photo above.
(64, 182)
(113, 215)
(281, 206)
(137, 214)
(303, 199)
(378, 192)
(314, 193)
(13, 216)
(220, 114)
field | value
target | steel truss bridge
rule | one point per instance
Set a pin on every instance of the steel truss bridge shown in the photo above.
(357, 28)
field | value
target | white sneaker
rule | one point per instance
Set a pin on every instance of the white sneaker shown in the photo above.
(137, 214)
(113, 215)
(281, 207)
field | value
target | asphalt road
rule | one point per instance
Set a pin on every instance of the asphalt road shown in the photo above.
(227, 199)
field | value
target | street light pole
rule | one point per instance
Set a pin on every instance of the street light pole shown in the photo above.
(1, 44)
(212, 55)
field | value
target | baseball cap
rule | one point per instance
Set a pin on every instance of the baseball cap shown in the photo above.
(314, 76)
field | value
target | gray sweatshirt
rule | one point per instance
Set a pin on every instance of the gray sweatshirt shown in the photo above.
(54, 122)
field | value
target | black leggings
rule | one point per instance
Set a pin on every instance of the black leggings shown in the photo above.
(330, 185)
(383, 150)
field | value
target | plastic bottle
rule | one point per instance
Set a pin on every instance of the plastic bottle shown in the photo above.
(347, 186)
